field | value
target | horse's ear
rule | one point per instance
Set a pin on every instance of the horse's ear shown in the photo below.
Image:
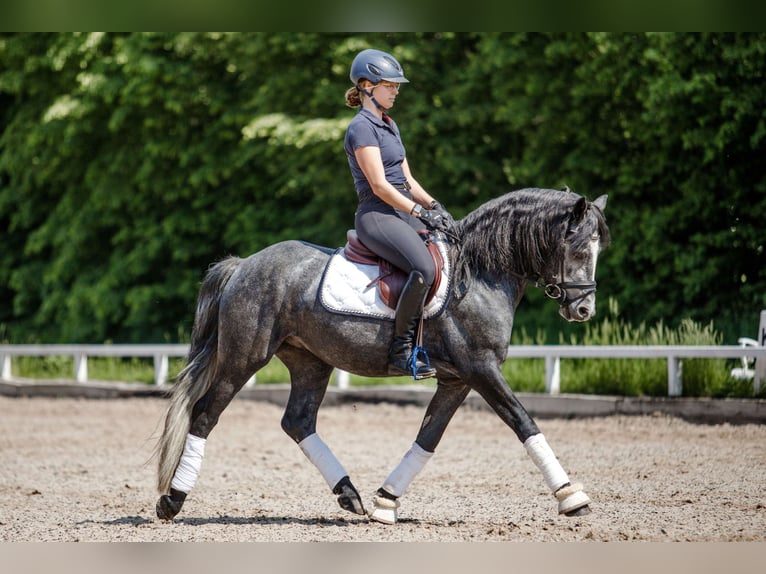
(579, 210)
(600, 202)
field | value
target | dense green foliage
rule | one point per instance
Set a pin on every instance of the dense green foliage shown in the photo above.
(130, 162)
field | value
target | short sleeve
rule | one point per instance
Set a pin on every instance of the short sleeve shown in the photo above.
(361, 134)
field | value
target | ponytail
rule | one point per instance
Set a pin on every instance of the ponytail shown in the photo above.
(353, 97)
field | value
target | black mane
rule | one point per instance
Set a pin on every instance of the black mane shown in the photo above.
(518, 232)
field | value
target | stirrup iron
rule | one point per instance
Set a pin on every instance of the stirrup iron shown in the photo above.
(417, 352)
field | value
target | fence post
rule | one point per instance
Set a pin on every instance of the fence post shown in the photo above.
(552, 375)
(160, 369)
(81, 367)
(5, 367)
(341, 379)
(760, 363)
(675, 377)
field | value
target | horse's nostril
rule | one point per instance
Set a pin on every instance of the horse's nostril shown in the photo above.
(583, 311)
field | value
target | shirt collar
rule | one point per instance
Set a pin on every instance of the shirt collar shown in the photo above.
(375, 119)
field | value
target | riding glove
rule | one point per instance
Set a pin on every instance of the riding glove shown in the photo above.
(448, 220)
(433, 220)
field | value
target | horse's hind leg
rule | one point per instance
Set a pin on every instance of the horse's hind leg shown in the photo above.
(309, 377)
(230, 378)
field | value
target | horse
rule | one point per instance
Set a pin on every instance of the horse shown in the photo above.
(252, 309)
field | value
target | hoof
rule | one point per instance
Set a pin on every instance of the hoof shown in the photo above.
(571, 499)
(167, 508)
(348, 497)
(385, 510)
(582, 511)
(170, 504)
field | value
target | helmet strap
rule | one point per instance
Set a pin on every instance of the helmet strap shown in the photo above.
(372, 98)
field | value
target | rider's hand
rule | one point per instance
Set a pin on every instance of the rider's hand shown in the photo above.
(438, 207)
(433, 219)
(448, 222)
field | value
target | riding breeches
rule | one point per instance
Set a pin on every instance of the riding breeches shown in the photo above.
(393, 236)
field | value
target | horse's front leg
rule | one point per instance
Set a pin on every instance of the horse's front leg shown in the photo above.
(492, 386)
(448, 397)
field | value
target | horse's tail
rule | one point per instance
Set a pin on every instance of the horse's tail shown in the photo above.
(197, 376)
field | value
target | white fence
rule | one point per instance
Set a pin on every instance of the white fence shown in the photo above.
(553, 354)
(80, 354)
(673, 354)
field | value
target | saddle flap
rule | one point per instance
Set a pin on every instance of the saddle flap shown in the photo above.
(391, 280)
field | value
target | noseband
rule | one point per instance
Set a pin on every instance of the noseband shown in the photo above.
(562, 291)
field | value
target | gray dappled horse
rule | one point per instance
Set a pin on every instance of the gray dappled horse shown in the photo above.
(267, 304)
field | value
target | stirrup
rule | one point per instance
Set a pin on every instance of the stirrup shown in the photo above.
(422, 373)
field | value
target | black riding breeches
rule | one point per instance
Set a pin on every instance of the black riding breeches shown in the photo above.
(393, 236)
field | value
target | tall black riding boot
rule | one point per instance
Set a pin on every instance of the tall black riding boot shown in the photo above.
(408, 313)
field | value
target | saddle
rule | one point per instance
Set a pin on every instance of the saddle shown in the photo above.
(390, 280)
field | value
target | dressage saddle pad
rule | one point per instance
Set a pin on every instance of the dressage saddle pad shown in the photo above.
(356, 282)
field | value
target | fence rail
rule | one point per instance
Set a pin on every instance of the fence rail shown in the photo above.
(551, 353)
(673, 354)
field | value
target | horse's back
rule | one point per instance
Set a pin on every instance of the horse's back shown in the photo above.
(283, 267)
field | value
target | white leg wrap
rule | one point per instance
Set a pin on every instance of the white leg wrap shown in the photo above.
(543, 457)
(190, 464)
(322, 457)
(411, 464)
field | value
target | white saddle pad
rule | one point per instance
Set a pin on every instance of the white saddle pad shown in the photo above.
(346, 289)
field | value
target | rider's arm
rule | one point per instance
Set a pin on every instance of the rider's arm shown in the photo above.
(419, 194)
(371, 164)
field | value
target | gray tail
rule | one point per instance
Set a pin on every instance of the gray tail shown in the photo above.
(197, 376)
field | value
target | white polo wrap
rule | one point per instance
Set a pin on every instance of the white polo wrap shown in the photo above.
(543, 457)
(191, 463)
(411, 464)
(322, 457)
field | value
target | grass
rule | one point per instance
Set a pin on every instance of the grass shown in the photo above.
(631, 377)
(624, 377)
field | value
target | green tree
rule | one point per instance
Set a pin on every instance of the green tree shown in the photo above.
(130, 162)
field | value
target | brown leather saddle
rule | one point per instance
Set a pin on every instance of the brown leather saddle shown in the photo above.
(390, 280)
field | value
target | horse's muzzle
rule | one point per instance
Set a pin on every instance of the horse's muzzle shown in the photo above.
(577, 301)
(580, 310)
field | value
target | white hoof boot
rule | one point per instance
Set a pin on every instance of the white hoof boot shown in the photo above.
(384, 510)
(571, 498)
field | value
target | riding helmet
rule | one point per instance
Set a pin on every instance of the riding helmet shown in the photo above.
(375, 66)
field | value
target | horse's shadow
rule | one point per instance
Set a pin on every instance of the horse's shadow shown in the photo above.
(238, 521)
(268, 520)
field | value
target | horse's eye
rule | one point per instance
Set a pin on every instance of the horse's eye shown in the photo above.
(581, 255)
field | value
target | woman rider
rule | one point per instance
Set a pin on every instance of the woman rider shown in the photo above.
(393, 206)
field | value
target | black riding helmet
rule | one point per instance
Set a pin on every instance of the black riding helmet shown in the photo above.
(376, 66)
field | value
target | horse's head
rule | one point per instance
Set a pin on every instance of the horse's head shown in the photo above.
(572, 280)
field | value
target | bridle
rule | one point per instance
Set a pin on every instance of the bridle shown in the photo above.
(561, 291)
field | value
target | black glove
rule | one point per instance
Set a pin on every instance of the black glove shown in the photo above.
(433, 219)
(449, 221)
(438, 207)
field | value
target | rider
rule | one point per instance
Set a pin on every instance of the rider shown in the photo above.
(393, 206)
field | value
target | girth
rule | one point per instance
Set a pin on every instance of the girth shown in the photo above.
(390, 280)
